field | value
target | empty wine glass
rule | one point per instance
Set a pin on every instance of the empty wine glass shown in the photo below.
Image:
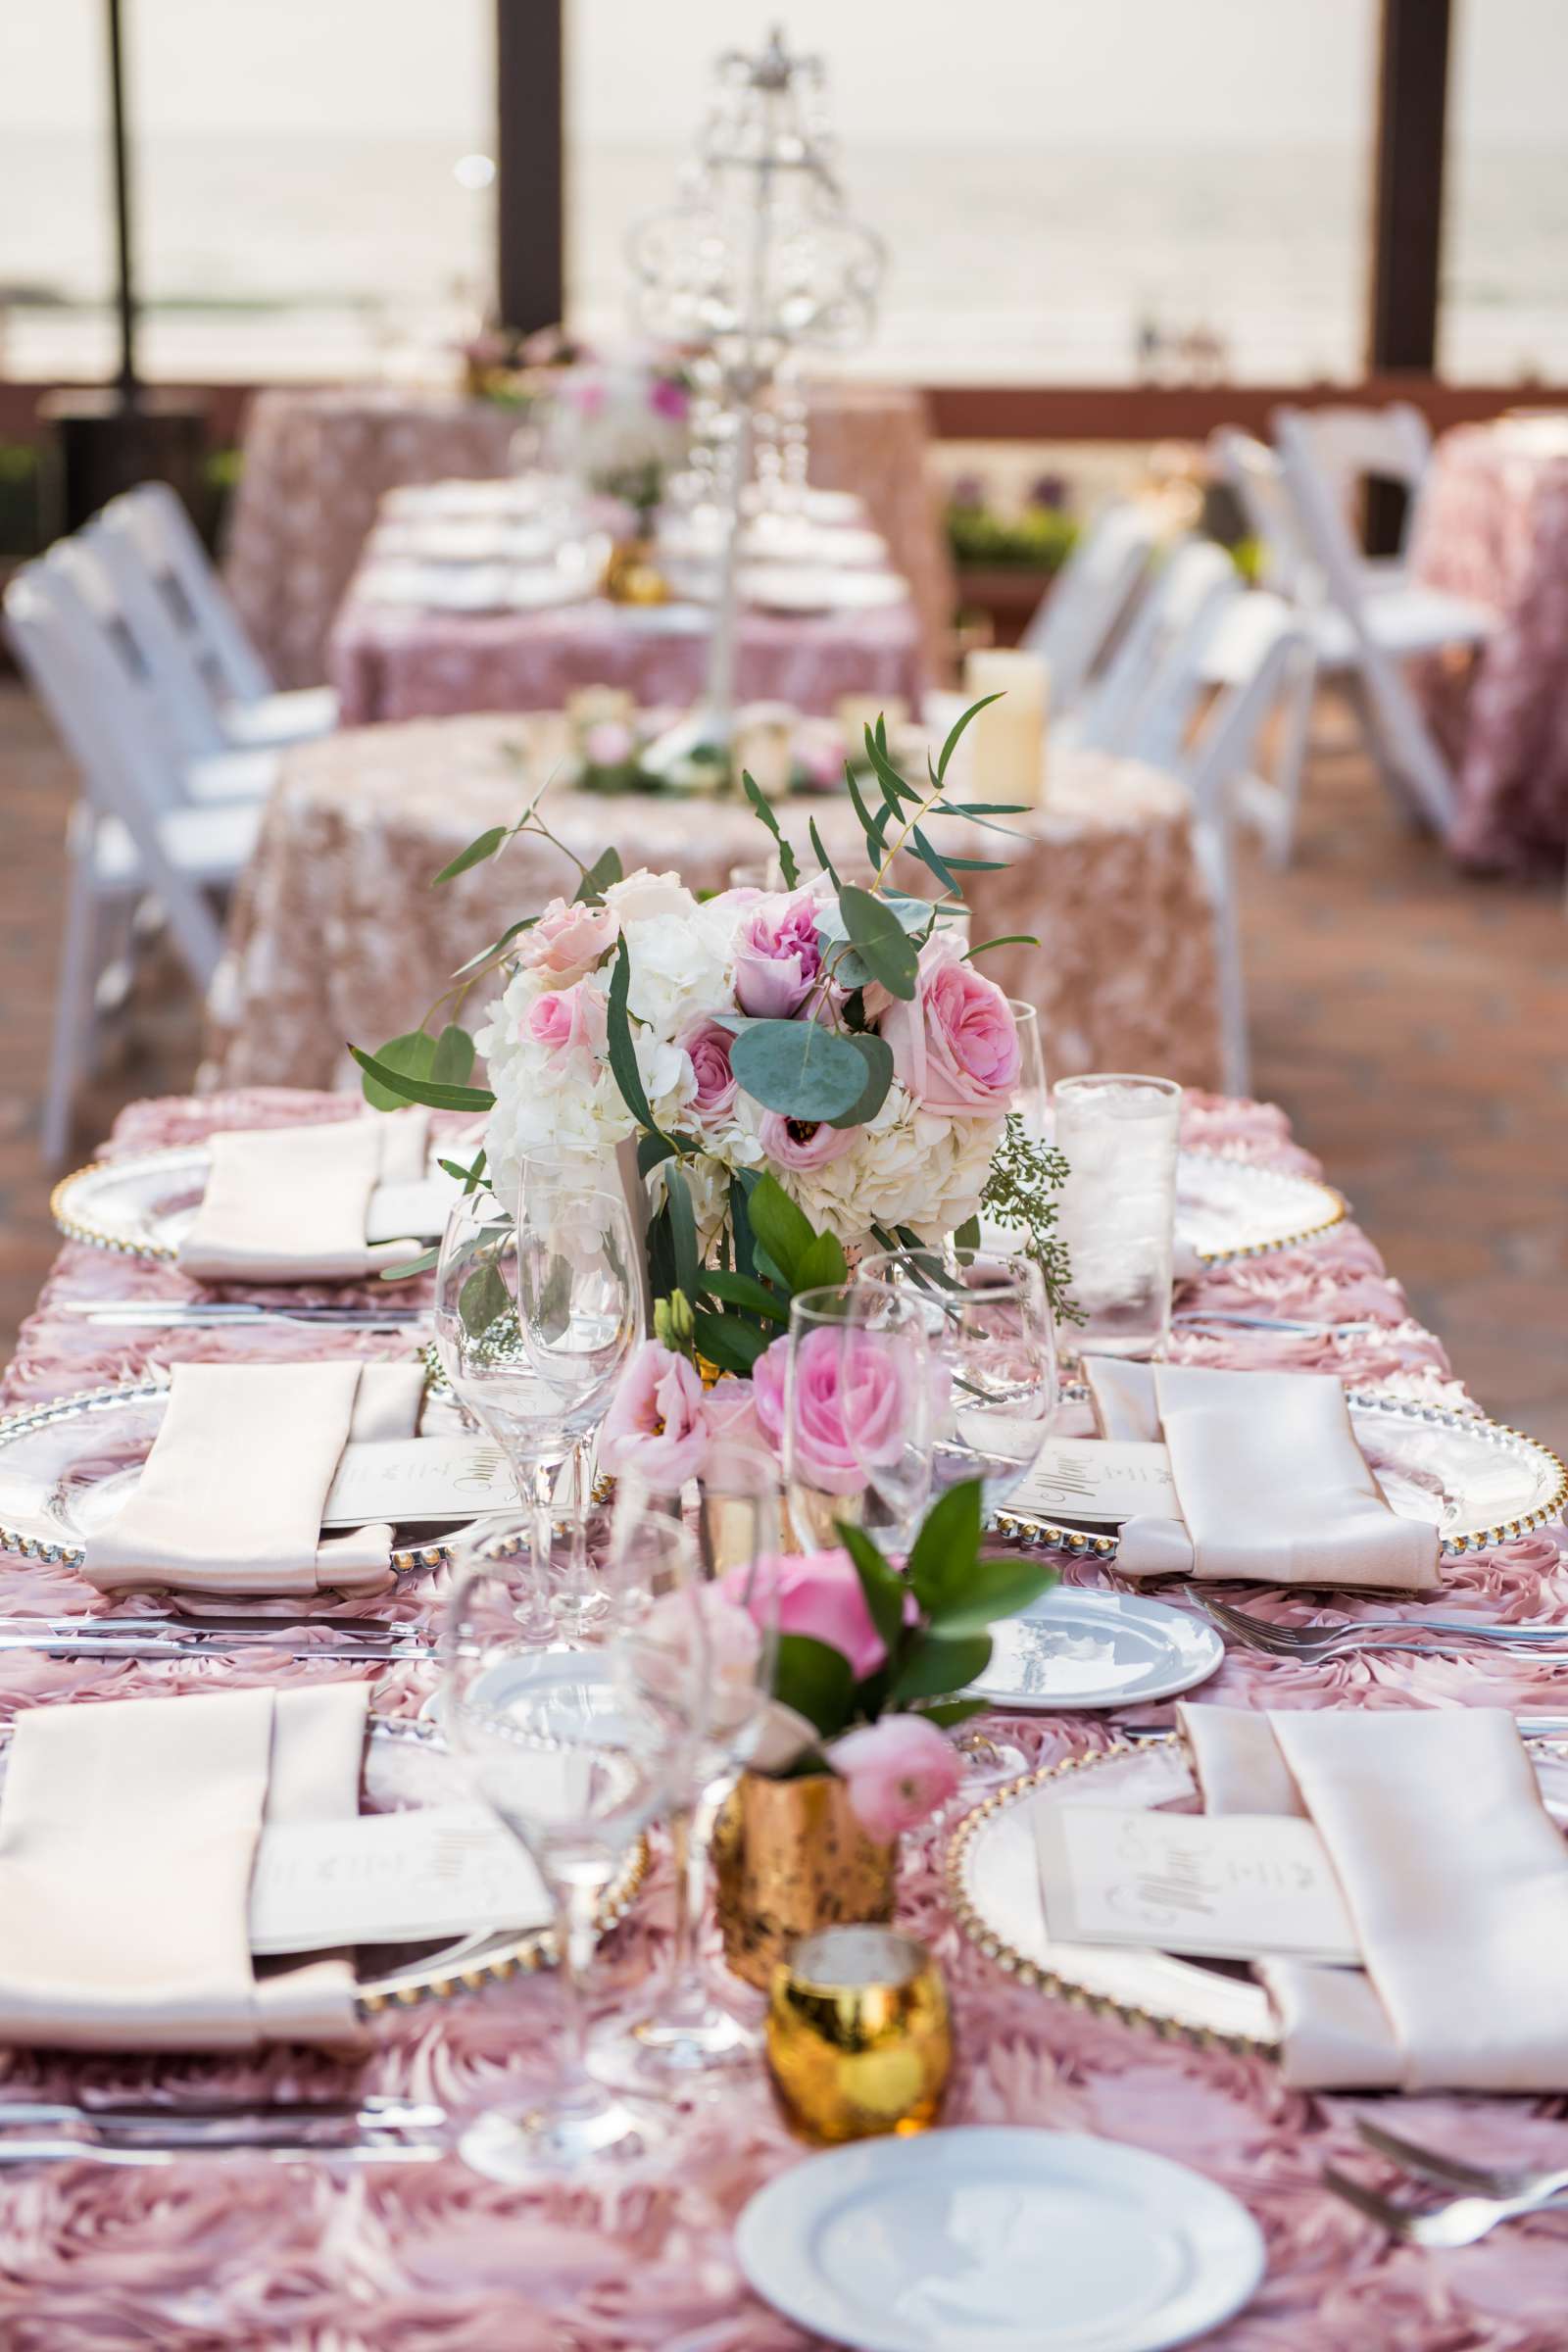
(534, 1321)
(577, 1751)
(689, 2040)
(1032, 1096)
(895, 1387)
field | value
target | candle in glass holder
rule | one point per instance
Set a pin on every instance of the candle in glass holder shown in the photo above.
(1009, 758)
(859, 2037)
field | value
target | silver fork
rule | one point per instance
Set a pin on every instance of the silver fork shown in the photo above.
(16, 2153)
(1501, 2181)
(218, 2122)
(1459, 2222)
(1311, 1642)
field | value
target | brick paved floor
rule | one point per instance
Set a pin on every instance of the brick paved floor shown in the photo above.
(1414, 1025)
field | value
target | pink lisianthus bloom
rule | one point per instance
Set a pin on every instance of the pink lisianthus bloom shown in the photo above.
(566, 942)
(956, 1046)
(777, 958)
(566, 1019)
(897, 1772)
(730, 1410)
(814, 1593)
(708, 1043)
(843, 1381)
(657, 1423)
(803, 1143)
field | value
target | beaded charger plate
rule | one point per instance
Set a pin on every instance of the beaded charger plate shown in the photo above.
(1229, 1208)
(1477, 1481)
(408, 1764)
(66, 1466)
(993, 1878)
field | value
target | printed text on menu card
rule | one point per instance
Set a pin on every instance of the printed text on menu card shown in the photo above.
(1099, 1478)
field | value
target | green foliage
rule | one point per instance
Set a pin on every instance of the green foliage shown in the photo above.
(1040, 539)
(802, 1069)
(1024, 1176)
(404, 1077)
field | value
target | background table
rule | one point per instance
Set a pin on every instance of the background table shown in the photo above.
(236, 2252)
(316, 464)
(397, 662)
(1493, 526)
(336, 933)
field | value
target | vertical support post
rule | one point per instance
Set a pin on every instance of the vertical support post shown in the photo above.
(531, 153)
(1407, 219)
(120, 144)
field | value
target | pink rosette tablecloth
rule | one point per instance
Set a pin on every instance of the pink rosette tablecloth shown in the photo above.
(400, 661)
(1493, 526)
(335, 934)
(238, 2252)
(317, 463)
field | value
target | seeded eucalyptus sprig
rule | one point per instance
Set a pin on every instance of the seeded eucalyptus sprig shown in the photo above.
(1024, 1175)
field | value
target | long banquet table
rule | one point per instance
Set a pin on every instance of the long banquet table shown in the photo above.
(336, 933)
(240, 2252)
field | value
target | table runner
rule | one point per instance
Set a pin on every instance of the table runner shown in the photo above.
(434, 2260)
(336, 933)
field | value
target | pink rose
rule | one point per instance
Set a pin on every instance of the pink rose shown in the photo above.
(567, 1018)
(777, 955)
(804, 1144)
(730, 1410)
(566, 942)
(814, 1593)
(708, 1043)
(657, 1423)
(669, 397)
(609, 744)
(955, 1047)
(843, 1380)
(898, 1772)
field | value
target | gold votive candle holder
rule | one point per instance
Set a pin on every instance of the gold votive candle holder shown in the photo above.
(859, 2036)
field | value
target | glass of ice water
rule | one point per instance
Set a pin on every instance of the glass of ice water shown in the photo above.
(1117, 1208)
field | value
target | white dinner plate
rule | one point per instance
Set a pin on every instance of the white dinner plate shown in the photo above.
(1000, 2239)
(1081, 1649)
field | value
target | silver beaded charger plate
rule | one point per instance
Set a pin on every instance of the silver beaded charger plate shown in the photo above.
(993, 1876)
(408, 1764)
(68, 1465)
(1476, 1481)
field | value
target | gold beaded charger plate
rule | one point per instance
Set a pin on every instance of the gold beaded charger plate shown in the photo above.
(1476, 1481)
(1229, 1208)
(993, 1876)
(69, 1464)
(408, 1764)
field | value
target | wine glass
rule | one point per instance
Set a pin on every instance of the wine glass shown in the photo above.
(577, 1751)
(894, 1385)
(845, 1397)
(988, 1323)
(690, 2042)
(534, 1322)
(1032, 1096)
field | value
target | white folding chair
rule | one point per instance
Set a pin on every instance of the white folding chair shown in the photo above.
(150, 522)
(1072, 625)
(1388, 617)
(128, 837)
(1140, 702)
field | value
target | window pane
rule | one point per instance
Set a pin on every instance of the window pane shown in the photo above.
(56, 229)
(297, 205)
(1058, 185)
(1505, 229)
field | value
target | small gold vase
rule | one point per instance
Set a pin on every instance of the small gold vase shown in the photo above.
(859, 2037)
(790, 1857)
(632, 576)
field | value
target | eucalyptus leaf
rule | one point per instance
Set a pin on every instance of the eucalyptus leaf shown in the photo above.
(453, 1060)
(967, 1235)
(477, 850)
(482, 1300)
(787, 864)
(524, 922)
(407, 1267)
(1004, 939)
(955, 731)
(622, 1054)
(604, 869)
(398, 1086)
(797, 1068)
(877, 1056)
(880, 941)
(410, 1057)
(822, 858)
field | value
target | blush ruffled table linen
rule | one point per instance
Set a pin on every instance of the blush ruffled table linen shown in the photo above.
(1493, 526)
(336, 933)
(432, 2258)
(318, 462)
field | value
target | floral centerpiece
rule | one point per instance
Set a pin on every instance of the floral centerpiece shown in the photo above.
(790, 1074)
(619, 425)
(788, 753)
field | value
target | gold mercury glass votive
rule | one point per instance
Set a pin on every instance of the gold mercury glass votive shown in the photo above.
(859, 2037)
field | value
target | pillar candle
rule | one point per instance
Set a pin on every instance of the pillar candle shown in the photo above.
(1009, 738)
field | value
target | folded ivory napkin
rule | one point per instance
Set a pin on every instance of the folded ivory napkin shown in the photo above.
(127, 1834)
(231, 1496)
(1455, 1878)
(1272, 1484)
(289, 1204)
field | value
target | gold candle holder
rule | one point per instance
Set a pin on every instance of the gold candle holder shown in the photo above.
(859, 2037)
(790, 1857)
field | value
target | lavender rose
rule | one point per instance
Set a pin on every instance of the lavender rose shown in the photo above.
(777, 958)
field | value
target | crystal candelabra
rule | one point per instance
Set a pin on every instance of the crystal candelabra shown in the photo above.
(756, 262)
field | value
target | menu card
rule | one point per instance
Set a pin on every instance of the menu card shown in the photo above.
(391, 1877)
(1234, 1887)
(415, 1480)
(1094, 1479)
(412, 1212)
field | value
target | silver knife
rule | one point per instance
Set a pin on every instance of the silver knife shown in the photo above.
(363, 1629)
(185, 1645)
(173, 1315)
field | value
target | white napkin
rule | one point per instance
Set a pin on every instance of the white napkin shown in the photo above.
(1455, 1878)
(231, 1494)
(289, 1204)
(1272, 1484)
(127, 1834)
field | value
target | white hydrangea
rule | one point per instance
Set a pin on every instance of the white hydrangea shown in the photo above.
(909, 1167)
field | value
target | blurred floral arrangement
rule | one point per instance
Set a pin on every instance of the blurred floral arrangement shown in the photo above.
(1038, 536)
(616, 422)
(787, 752)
